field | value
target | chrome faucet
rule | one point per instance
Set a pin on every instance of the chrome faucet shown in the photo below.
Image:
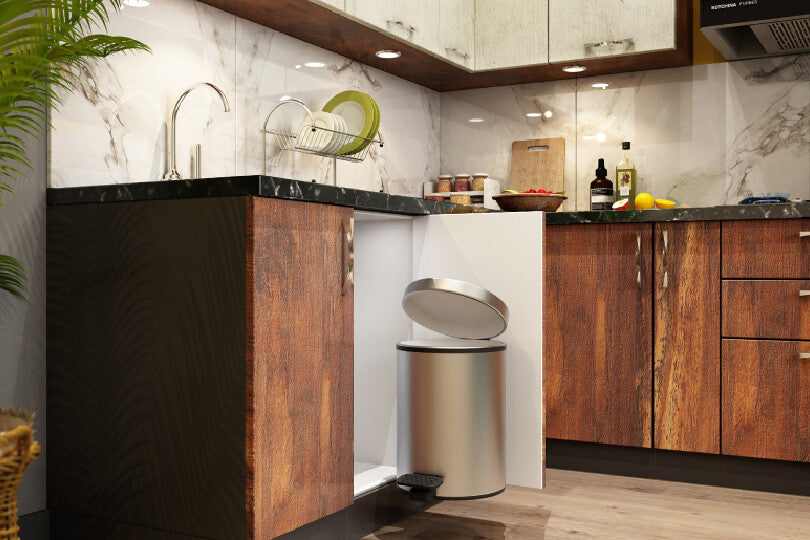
(172, 173)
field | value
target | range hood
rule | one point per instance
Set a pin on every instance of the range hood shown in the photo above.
(756, 28)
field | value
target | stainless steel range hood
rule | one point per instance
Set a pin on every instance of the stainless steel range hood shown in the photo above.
(756, 28)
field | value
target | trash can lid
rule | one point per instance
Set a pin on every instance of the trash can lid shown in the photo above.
(455, 308)
(448, 345)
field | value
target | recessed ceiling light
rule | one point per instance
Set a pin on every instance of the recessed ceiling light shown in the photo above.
(574, 69)
(136, 3)
(315, 64)
(388, 54)
(601, 85)
(548, 114)
(285, 97)
(476, 120)
(534, 114)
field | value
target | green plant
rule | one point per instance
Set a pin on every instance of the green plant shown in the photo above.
(42, 42)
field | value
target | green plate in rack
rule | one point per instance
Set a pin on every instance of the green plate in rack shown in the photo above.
(362, 116)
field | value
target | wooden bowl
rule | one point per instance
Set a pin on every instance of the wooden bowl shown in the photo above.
(529, 202)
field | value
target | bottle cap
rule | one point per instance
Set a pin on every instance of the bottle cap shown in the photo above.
(626, 145)
(601, 171)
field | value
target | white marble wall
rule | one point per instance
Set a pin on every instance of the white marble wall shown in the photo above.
(113, 129)
(701, 135)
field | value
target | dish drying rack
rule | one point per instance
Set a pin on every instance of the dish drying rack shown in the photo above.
(318, 139)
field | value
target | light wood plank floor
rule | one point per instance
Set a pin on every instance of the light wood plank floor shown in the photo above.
(586, 505)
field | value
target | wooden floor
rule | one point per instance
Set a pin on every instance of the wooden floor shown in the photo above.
(586, 505)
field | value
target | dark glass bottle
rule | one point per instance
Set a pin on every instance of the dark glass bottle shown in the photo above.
(601, 189)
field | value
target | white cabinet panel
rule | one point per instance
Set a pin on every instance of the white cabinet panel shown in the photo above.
(457, 27)
(510, 34)
(340, 5)
(574, 25)
(413, 21)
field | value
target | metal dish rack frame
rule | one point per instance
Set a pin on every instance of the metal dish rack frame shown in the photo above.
(318, 141)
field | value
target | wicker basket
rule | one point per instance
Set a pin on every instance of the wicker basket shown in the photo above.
(17, 450)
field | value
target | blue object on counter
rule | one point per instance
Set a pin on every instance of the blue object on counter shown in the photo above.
(768, 198)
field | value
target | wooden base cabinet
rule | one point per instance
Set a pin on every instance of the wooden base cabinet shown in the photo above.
(687, 336)
(598, 323)
(200, 367)
(766, 399)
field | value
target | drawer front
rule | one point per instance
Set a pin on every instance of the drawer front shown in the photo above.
(766, 399)
(774, 309)
(766, 249)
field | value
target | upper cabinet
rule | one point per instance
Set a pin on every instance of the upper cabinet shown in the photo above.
(606, 28)
(457, 24)
(510, 34)
(459, 44)
(413, 21)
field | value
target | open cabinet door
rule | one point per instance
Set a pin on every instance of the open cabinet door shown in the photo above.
(501, 252)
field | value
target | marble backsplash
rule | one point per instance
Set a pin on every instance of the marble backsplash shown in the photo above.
(113, 129)
(701, 135)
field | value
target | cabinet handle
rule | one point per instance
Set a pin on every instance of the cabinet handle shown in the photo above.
(629, 41)
(804, 292)
(457, 52)
(638, 276)
(666, 278)
(804, 356)
(666, 243)
(804, 234)
(410, 29)
(638, 245)
(348, 256)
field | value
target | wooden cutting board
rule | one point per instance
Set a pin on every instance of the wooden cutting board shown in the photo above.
(538, 164)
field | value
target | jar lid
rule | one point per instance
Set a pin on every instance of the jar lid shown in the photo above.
(480, 175)
(463, 176)
(445, 176)
(455, 308)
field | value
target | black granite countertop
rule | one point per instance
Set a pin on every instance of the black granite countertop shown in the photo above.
(714, 213)
(262, 186)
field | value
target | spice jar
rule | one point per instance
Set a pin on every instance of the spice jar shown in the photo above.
(461, 199)
(478, 181)
(445, 184)
(461, 182)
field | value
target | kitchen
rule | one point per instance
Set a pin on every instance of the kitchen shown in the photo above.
(656, 325)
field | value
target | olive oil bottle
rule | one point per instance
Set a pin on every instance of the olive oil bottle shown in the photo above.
(601, 189)
(626, 177)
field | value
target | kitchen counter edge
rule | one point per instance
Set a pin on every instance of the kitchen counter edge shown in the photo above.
(256, 185)
(715, 213)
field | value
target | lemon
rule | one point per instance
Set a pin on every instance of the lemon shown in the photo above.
(664, 204)
(645, 201)
(509, 191)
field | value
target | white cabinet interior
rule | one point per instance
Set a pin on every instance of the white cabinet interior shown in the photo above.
(501, 252)
(510, 34)
(581, 29)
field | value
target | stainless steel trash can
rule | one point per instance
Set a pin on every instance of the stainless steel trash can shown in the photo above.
(450, 391)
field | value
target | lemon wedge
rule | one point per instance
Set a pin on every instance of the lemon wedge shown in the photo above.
(664, 204)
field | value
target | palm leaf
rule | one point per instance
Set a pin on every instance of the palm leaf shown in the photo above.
(12, 276)
(42, 44)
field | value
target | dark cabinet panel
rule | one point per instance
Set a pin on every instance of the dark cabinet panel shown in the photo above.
(766, 399)
(687, 337)
(598, 333)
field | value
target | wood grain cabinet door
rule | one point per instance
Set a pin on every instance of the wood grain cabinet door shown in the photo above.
(598, 333)
(687, 337)
(767, 308)
(300, 346)
(766, 399)
(766, 249)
